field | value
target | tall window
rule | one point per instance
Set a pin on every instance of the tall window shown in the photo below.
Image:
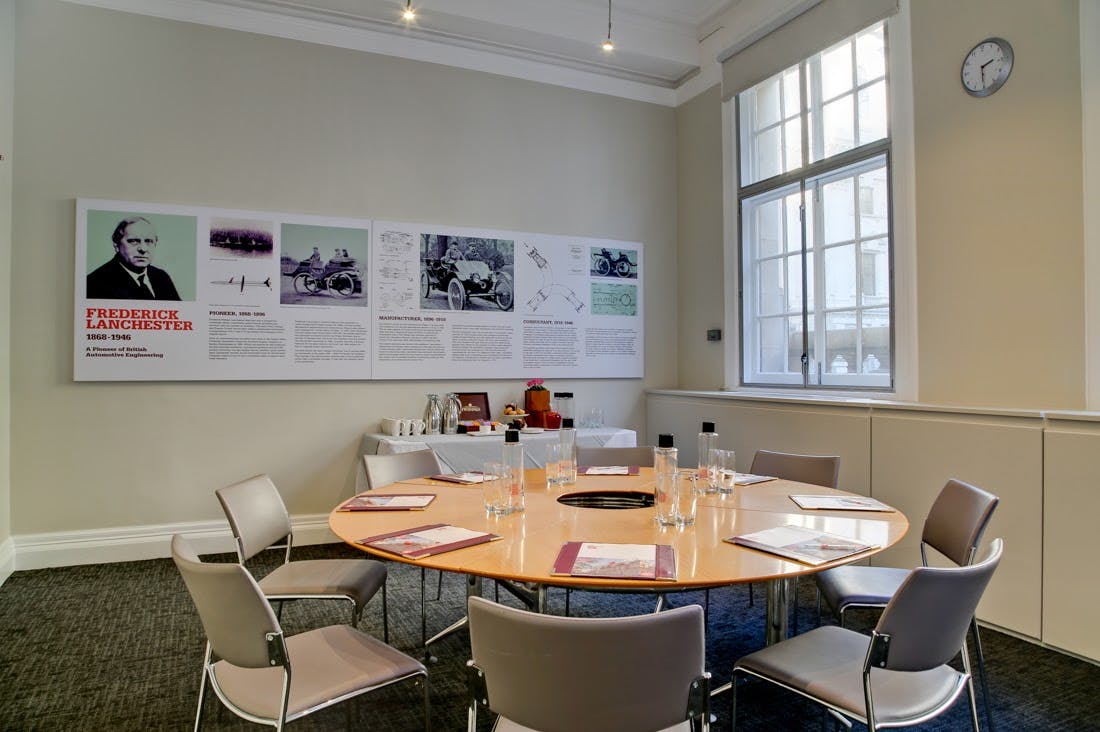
(814, 202)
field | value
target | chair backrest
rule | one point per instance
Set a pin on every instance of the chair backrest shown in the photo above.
(562, 674)
(816, 469)
(232, 607)
(385, 469)
(957, 520)
(256, 513)
(596, 456)
(928, 616)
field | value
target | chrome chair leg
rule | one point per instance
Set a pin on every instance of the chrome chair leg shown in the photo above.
(981, 674)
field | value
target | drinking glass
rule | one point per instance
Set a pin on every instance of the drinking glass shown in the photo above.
(554, 476)
(686, 499)
(664, 499)
(726, 470)
(595, 417)
(495, 487)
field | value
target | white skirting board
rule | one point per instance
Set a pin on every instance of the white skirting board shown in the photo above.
(7, 559)
(132, 543)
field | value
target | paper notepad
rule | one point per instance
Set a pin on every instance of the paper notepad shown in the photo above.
(608, 470)
(387, 502)
(802, 545)
(840, 503)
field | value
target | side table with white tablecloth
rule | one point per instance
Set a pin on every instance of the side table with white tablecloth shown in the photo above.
(461, 453)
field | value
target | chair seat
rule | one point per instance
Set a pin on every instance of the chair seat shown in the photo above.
(329, 663)
(868, 586)
(358, 579)
(504, 724)
(827, 662)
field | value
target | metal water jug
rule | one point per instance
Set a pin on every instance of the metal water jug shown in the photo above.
(451, 411)
(433, 415)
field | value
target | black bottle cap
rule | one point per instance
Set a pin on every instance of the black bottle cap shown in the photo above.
(664, 440)
(567, 423)
(565, 394)
(708, 426)
(511, 435)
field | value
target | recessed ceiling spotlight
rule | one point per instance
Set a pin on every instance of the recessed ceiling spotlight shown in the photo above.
(410, 12)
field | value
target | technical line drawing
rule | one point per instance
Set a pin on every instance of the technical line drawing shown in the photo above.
(243, 284)
(549, 286)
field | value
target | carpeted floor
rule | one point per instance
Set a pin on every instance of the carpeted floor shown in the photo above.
(118, 647)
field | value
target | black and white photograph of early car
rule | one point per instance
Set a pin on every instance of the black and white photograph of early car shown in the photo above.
(466, 273)
(614, 263)
(323, 265)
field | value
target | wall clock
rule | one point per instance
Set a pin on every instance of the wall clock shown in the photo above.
(986, 68)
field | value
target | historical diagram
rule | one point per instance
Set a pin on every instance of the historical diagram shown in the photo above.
(549, 285)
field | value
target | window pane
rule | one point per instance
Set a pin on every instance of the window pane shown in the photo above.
(874, 206)
(773, 345)
(810, 304)
(794, 283)
(792, 143)
(794, 226)
(766, 152)
(767, 103)
(768, 228)
(838, 134)
(836, 70)
(792, 91)
(837, 214)
(874, 274)
(771, 287)
(870, 55)
(875, 342)
(840, 343)
(840, 276)
(872, 113)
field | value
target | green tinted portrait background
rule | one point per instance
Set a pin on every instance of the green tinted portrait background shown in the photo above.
(175, 253)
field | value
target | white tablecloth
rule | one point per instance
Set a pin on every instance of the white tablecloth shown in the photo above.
(460, 453)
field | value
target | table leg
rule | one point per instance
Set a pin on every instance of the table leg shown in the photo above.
(473, 588)
(775, 620)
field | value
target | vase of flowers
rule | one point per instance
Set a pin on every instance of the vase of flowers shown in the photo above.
(536, 402)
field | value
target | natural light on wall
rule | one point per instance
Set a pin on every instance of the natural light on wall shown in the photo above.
(815, 229)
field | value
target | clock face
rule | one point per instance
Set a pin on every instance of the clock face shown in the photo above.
(986, 67)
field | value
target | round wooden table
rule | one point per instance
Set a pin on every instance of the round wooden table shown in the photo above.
(532, 538)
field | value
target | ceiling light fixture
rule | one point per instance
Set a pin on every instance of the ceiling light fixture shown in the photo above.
(607, 44)
(410, 13)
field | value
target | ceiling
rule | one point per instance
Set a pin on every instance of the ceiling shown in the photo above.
(660, 45)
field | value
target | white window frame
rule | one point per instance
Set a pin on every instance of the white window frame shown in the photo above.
(903, 229)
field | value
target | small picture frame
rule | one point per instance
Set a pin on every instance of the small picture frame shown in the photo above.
(475, 406)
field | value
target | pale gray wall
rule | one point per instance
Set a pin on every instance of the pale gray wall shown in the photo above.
(700, 284)
(119, 106)
(999, 232)
(7, 93)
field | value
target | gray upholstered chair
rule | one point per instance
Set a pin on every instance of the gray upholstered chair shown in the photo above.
(381, 470)
(821, 470)
(248, 660)
(259, 521)
(555, 674)
(596, 456)
(898, 676)
(816, 469)
(954, 528)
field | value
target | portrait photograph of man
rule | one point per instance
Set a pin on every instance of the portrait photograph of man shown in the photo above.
(147, 256)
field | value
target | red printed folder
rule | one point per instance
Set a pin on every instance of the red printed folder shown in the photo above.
(387, 502)
(616, 561)
(607, 470)
(424, 541)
